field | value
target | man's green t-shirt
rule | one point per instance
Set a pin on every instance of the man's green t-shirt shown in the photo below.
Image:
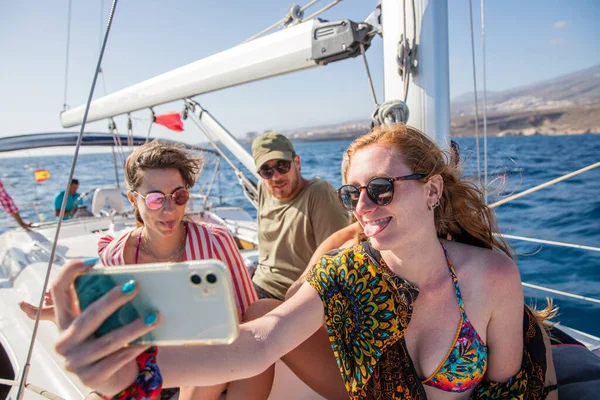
(290, 231)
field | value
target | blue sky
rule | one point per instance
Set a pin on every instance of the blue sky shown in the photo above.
(526, 41)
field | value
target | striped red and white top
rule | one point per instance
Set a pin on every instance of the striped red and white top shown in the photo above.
(204, 241)
(6, 201)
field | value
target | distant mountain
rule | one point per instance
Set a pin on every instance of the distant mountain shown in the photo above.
(568, 104)
(577, 88)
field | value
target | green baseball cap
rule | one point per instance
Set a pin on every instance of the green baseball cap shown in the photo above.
(271, 146)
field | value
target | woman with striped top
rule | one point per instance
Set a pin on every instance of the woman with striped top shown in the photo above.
(159, 177)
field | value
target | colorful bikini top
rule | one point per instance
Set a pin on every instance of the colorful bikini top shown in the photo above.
(465, 364)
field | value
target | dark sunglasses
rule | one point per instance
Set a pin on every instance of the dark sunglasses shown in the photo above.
(282, 167)
(380, 190)
(156, 200)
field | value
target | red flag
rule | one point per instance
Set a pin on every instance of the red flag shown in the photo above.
(171, 121)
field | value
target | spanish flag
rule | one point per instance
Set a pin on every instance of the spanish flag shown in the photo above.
(41, 175)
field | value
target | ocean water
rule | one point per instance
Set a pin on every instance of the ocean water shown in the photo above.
(568, 211)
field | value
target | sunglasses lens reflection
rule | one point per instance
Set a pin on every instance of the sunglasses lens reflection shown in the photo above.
(155, 201)
(181, 197)
(381, 191)
(266, 173)
(282, 167)
(349, 195)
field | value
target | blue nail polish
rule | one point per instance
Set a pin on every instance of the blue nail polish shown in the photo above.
(150, 319)
(128, 287)
(90, 260)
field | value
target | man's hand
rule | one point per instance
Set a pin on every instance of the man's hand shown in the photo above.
(22, 224)
(26, 226)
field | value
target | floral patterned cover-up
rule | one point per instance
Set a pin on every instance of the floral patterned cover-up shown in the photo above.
(367, 310)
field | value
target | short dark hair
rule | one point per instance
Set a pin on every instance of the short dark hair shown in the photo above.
(74, 181)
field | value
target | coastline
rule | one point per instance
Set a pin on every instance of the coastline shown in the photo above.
(558, 121)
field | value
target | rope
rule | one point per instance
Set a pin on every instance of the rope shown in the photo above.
(27, 364)
(112, 127)
(475, 95)
(575, 296)
(129, 133)
(406, 52)
(485, 160)
(150, 127)
(115, 165)
(390, 112)
(543, 185)
(67, 56)
(562, 244)
(219, 181)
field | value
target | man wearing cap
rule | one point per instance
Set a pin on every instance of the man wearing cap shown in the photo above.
(294, 215)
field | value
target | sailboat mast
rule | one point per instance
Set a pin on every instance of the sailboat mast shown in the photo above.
(429, 89)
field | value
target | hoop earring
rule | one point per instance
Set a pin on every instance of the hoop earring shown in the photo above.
(437, 203)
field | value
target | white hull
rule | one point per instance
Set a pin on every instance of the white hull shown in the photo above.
(24, 261)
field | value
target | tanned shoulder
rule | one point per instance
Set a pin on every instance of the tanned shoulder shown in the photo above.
(493, 273)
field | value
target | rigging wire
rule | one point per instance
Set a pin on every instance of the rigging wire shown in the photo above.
(311, 3)
(322, 10)
(543, 185)
(554, 243)
(27, 364)
(485, 160)
(289, 17)
(362, 51)
(475, 94)
(100, 36)
(566, 294)
(67, 56)
(249, 188)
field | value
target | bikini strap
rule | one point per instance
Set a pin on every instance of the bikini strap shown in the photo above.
(459, 298)
(139, 242)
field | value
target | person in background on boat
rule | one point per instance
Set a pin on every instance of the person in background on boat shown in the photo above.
(294, 215)
(409, 313)
(11, 208)
(72, 200)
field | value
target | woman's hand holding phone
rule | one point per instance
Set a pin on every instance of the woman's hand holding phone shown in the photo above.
(106, 364)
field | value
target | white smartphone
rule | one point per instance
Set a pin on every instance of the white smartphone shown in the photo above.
(194, 298)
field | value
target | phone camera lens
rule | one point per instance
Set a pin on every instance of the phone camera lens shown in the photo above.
(195, 279)
(211, 278)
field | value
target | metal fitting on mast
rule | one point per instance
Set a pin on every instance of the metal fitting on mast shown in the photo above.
(338, 40)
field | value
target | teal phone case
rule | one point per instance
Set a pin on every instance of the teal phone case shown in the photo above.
(90, 288)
